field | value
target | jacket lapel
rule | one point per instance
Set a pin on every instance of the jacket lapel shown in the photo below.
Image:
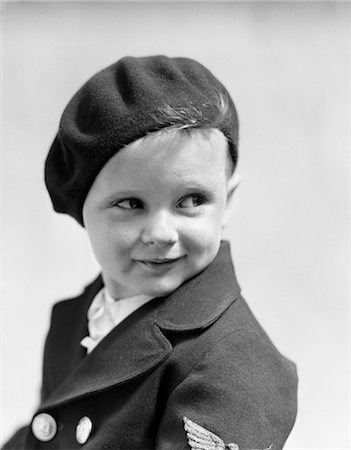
(130, 349)
(138, 344)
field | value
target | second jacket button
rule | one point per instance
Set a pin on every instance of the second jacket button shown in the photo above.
(83, 429)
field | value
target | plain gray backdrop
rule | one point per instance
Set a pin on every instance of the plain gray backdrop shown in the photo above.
(287, 67)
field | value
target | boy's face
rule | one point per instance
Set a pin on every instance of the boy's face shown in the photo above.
(155, 212)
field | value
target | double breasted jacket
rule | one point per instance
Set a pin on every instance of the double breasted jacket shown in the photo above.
(184, 371)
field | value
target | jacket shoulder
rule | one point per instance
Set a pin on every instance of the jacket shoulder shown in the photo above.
(241, 326)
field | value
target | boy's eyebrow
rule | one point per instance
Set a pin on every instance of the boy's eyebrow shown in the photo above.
(122, 193)
(206, 186)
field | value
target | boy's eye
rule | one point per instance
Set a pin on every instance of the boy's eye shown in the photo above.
(129, 203)
(191, 201)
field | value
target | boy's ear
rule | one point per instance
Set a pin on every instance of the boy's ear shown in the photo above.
(232, 184)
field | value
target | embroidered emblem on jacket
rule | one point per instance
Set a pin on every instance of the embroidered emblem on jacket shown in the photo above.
(201, 439)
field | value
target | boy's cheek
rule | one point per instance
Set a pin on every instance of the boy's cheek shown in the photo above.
(203, 248)
(114, 236)
(204, 231)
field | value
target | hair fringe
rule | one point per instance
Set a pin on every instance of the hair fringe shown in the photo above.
(180, 118)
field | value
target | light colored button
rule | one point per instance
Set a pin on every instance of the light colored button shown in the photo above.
(44, 427)
(83, 430)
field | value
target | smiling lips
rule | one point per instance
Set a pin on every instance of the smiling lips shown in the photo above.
(159, 264)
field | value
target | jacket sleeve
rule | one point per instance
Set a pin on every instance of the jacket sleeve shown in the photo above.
(242, 392)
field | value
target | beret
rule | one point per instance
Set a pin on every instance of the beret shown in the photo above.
(121, 104)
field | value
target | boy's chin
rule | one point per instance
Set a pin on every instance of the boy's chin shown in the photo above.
(152, 289)
(160, 291)
(161, 287)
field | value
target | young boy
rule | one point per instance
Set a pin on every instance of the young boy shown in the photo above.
(160, 351)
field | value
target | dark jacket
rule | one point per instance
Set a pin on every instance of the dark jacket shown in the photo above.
(197, 353)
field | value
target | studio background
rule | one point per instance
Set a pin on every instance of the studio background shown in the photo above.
(287, 67)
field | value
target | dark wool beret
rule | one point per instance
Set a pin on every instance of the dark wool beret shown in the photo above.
(123, 103)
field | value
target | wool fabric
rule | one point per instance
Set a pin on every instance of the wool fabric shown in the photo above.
(122, 103)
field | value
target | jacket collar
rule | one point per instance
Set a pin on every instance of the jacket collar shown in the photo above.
(138, 344)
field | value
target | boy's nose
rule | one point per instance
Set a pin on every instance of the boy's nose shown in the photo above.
(159, 230)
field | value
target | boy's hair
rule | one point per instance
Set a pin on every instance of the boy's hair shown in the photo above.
(190, 117)
(125, 102)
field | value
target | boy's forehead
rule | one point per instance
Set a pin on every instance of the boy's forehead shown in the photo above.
(195, 157)
(174, 149)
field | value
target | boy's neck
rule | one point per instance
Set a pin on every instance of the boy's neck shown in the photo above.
(118, 291)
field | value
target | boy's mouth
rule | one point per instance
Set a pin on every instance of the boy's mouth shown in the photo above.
(159, 264)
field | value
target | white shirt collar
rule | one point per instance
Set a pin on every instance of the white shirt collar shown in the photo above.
(105, 313)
